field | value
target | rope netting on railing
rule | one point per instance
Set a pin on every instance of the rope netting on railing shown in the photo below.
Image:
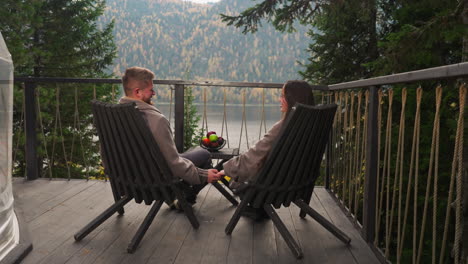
(420, 165)
(67, 145)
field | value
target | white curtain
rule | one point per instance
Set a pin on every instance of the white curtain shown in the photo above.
(9, 234)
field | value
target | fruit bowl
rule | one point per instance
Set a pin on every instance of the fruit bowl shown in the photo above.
(212, 149)
(212, 142)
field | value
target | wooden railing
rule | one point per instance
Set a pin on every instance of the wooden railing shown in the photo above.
(395, 162)
(366, 177)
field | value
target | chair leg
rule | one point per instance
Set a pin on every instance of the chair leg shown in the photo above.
(235, 217)
(144, 226)
(225, 193)
(302, 214)
(324, 222)
(292, 244)
(101, 218)
(188, 210)
(117, 196)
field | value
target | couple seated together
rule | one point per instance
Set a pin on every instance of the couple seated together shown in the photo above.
(194, 167)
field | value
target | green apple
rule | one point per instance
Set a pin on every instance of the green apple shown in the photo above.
(213, 138)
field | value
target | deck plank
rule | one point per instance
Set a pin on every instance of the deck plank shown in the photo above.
(283, 251)
(58, 209)
(240, 248)
(58, 224)
(358, 247)
(46, 195)
(197, 241)
(328, 247)
(218, 243)
(171, 243)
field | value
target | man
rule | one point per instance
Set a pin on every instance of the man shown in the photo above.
(192, 167)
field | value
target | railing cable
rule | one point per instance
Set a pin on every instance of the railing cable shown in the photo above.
(49, 160)
(345, 148)
(244, 122)
(364, 141)
(113, 93)
(380, 182)
(351, 152)
(94, 92)
(433, 156)
(414, 156)
(335, 145)
(357, 162)
(204, 119)
(459, 157)
(341, 147)
(386, 170)
(453, 174)
(224, 123)
(77, 129)
(398, 179)
(58, 122)
(171, 88)
(21, 128)
(262, 117)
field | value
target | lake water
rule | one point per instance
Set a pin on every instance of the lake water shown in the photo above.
(253, 113)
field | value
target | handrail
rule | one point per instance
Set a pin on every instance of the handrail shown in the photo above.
(166, 82)
(443, 72)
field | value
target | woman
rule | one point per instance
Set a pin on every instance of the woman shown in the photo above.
(242, 168)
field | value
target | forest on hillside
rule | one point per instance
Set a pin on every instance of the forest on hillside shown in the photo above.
(185, 40)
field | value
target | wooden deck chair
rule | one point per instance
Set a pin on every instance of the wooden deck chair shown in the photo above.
(290, 171)
(135, 166)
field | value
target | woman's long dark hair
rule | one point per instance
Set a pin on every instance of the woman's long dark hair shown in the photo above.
(297, 91)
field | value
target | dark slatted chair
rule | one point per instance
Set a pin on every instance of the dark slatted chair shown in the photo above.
(290, 171)
(136, 167)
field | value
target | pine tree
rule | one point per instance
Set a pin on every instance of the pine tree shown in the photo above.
(344, 42)
(56, 38)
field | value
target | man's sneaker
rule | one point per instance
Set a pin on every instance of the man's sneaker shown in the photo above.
(175, 205)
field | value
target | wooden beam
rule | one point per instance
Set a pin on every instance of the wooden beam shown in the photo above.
(370, 184)
(32, 171)
(443, 72)
(179, 117)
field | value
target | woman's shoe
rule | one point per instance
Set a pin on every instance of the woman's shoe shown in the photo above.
(256, 214)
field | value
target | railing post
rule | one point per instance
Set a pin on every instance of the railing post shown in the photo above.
(368, 228)
(328, 163)
(328, 155)
(32, 171)
(179, 117)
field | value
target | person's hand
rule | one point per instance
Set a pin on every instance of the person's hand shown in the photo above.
(213, 175)
(222, 173)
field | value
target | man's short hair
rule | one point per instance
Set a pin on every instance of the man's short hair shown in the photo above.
(135, 75)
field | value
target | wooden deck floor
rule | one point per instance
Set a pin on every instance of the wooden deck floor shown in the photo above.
(55, 210)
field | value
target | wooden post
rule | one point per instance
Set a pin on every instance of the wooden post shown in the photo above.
(328, 164)
(368, 228)
(32, 171)
(179, 117)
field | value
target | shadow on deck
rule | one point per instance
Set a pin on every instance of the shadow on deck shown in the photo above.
(55, 210)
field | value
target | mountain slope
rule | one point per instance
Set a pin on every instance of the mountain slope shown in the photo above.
(184, 40)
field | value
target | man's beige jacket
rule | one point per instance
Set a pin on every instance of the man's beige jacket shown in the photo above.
(162, 133)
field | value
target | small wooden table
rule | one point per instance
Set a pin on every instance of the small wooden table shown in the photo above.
(225, 153)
